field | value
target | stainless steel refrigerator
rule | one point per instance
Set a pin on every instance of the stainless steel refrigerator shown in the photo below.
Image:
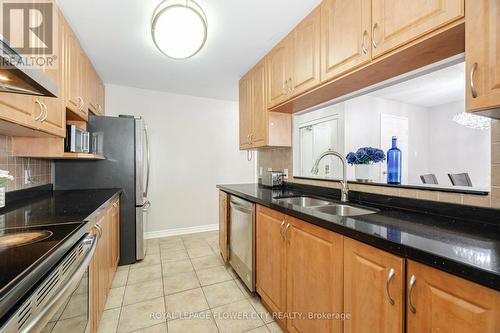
(124, 143)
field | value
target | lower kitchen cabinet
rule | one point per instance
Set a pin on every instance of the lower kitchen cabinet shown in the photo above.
(313, 278)
(270, 257)
(305, 272)
(373, 289)
(105, 260)
(299, 272)
(441, 302)
(223, 224)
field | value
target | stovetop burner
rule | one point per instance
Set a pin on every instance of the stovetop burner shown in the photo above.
(23, 238)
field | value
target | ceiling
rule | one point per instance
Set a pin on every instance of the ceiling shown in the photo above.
(443, 86)
(116, 36)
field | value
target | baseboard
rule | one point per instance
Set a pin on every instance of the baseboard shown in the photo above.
(180, 231)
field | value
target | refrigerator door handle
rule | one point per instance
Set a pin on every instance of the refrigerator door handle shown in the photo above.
(148, 161)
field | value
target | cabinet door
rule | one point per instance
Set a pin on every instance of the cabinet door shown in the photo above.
(345, 36)
(19, 109)
(92, 87)
(448, 304)
(223, 225)
(278, 77)
(313, 277)
(373, 289)
(398, 22)
(270, 257)
(72, 73)
(305, 54)
(245, 98)
(115, 247)
(54, 122)
(483, 54)
(100, 97)
(258, 136)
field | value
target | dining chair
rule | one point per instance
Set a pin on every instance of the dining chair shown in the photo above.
(429, 179)
(460, 179)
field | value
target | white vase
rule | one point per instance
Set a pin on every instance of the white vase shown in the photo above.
(365, 172)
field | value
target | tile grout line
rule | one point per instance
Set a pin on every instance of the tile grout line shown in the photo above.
(204, 295)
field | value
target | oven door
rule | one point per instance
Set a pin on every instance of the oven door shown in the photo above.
(61, 302)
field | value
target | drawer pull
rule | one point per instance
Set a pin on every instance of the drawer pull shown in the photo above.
(392, 272)
(413, 280)
(473, 90)
(374, 43)
(363, 45)
(284, 233)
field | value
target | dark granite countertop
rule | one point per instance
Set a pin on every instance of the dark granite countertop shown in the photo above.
(461, 240)
(64, 213)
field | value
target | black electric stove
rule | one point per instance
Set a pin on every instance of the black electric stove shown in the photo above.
(36, 233)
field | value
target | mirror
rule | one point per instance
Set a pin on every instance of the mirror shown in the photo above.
(440, 145)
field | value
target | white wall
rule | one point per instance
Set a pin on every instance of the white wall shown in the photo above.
(194, 146)
(458, 149)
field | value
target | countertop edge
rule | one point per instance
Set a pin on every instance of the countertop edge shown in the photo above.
(462, 270)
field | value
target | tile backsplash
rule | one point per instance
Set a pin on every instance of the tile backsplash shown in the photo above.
(41, 172)
(279, 159)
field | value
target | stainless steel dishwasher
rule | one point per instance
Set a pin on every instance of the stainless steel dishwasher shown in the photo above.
(242, 240)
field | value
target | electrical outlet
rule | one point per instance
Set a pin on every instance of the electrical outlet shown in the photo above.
(285, 172)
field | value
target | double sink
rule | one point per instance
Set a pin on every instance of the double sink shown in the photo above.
(326, 207)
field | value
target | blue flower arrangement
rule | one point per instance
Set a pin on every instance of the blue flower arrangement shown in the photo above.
(366, 155)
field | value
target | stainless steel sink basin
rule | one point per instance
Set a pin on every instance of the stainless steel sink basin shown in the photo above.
(306, 202)
(344, 210)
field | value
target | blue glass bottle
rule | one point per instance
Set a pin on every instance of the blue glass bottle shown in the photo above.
(394, 163)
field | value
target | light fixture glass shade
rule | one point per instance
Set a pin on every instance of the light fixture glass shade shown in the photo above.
(179, 28)
(472, 121)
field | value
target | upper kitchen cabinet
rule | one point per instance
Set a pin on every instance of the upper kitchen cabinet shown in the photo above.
(398, 22)
(305, 54)
(95, 91)
(75, 73)
(278, 73)
(258, 127)
(100, 97)
(345, 36)
(245, 100)
(483, 55)
(440, 302)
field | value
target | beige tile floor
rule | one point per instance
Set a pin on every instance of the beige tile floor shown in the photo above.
(182, 285)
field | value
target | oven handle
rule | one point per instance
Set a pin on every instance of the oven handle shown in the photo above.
(39, 322)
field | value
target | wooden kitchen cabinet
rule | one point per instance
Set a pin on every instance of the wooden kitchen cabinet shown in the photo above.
(345, 36)
(278, 73)
(271, 260)
(373, 289)
(101, 97)
(483, 55)
(441, 302)
(105, 260)
(398, 22)
(305, 52)
(314, 264)
(259, 127)
(224, 225)
(245, 109)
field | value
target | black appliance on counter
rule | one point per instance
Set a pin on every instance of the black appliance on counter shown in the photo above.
(124, 142)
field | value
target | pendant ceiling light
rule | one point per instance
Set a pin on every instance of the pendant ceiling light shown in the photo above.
(179, 28)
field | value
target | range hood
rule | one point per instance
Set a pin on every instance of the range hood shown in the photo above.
(19, 80)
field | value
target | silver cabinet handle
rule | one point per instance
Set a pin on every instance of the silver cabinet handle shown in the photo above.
(37, 118)
(251, 138)
(374, 43)
(473, 90)
(248, 138)
(363, 45)
(413, 280)
(392, 272)
(290, 86)
(99, 228)
(81, 103)
(284, 233)
(46, 112)
(281, 229)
